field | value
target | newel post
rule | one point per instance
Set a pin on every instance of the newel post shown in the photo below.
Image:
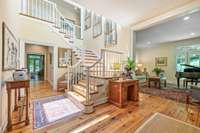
(89, 105)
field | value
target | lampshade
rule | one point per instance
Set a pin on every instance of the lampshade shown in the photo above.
(139, 65)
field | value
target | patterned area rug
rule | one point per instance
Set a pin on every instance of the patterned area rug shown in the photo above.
(172, 93)
(52, 109)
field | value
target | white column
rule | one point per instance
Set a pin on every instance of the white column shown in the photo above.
(22, 54)
(55, 67)
(132, 53)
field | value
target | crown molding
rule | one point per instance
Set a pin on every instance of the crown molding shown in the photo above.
(167, 16)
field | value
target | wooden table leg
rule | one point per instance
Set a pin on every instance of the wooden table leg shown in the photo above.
(165, 84)
(27, 105)
(15, 109)
(149, 83)
(9, 126)
(159, 85)
(19, 94)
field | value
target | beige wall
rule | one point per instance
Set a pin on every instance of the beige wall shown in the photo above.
(146, 56)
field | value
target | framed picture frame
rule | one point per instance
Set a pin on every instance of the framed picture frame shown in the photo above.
(110, 34)
(64, 57)
(88, 19)
(10, 60)
(97, 26)
(161, 61)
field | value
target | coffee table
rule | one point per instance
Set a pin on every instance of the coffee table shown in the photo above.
(157, 81)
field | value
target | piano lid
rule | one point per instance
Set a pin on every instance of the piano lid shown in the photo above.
(187, 65)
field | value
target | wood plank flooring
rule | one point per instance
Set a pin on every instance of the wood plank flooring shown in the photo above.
(108, 118)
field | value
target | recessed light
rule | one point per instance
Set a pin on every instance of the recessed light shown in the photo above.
(186, 18)
(148, 42)
(192, 34)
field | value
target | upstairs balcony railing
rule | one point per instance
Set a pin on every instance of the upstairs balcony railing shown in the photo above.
(47, 11)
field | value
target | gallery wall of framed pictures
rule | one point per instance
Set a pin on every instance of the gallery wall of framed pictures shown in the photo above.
(10, 50)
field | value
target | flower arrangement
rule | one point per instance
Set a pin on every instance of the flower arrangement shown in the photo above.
(129, 68)
(116, 66)
(158, 71)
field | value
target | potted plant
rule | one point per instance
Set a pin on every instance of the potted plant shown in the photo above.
(130, 68)
(158, 71)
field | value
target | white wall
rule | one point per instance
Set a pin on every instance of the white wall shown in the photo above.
(146, 56)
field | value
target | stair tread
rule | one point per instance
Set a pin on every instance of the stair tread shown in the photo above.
(76, 96)
(82, 89)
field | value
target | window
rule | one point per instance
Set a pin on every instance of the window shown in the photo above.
(88, 15)
(180, 59)
(194, 59)
(97, 26)
(110, 33)
(187, 56)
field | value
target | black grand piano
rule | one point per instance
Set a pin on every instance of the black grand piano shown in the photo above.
(190, 72)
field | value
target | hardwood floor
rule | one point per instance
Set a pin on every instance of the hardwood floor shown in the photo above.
(109, 118)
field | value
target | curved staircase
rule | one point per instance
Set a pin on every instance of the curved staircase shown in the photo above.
(87, 79)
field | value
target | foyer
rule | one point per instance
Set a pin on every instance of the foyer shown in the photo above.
(109, 118)
(105, 66)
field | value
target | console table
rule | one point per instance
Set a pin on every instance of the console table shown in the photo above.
(15, 85)
(120, 91)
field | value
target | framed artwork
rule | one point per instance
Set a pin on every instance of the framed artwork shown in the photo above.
(97, 26)
(10, 49)
(161, 61)
(88, 17)
(110, 33)
(64, 57)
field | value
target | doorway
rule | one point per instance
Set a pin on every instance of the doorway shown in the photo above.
(36, 66)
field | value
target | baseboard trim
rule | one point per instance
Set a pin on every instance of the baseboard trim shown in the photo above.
(3, 127)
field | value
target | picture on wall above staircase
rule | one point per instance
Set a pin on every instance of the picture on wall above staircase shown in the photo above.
(88, 19)
(97, 26)
(110, 33)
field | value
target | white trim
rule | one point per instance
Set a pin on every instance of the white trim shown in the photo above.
(169, 15)
(3, 127)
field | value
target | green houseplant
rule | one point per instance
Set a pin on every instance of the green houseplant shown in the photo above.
(158, 71)
(129, 68)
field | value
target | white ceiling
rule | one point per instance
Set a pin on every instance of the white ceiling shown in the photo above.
(173, 30)
(127, 12)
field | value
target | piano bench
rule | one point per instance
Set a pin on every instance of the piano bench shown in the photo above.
(196, 81)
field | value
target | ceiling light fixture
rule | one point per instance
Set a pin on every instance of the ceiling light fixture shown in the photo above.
(148, 42)
(186, 18)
